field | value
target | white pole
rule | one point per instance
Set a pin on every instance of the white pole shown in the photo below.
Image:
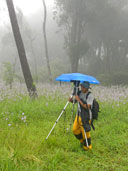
(86, 138)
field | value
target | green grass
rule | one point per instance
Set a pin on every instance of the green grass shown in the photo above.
(23, 145)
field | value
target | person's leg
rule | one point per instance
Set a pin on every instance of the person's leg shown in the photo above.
(77, 129)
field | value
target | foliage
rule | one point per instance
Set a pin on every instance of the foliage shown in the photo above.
(71, 16)
(104, 32)
(57, 66)
(120, 78)
(8, 73)
(102, 50)
(103, 26)
(117, 78)
(25, 124)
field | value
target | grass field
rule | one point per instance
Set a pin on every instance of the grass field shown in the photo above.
(25, 123)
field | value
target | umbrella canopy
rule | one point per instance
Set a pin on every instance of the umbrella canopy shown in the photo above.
(77, 77)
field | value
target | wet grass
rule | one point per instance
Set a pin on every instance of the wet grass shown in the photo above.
(25, 123)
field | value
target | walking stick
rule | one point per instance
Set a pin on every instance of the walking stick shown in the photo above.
(86, 138)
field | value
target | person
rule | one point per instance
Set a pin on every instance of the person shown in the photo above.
(82, 123)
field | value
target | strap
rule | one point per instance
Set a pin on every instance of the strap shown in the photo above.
(88, 109)
(92, 125)
(86, 98)
(88, 94)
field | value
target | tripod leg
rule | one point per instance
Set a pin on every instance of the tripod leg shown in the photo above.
(72, 116)
(57, 119)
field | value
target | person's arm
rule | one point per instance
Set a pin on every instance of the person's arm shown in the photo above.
(73, 99)
(86, 106)
(70, 99)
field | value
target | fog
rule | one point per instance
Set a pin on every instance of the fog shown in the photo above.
(89, 37)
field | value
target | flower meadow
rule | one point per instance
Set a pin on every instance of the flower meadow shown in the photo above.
(25, 123)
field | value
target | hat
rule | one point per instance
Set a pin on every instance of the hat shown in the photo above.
(85, 84)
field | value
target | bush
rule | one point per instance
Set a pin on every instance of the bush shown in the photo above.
(117, 78)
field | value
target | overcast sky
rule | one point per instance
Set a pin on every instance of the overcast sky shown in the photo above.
(31, 6)
(28, 7)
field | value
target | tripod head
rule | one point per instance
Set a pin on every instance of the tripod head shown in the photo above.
(76, 87)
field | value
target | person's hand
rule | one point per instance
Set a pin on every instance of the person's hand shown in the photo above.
(70, 99)
(77, 98)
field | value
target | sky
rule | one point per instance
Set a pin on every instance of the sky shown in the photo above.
(28, 7)
(31, 6)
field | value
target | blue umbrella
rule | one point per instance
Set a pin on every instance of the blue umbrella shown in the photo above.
(70, 77)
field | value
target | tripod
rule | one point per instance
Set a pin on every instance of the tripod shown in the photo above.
(75, 92)
(58, 119)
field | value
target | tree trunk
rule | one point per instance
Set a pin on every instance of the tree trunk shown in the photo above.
(21, 50)
(73, 41)
(45, 41)
(76, 31)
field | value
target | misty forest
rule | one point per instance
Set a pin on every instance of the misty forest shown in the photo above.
(40, 40)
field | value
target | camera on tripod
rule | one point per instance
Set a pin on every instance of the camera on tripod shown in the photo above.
(76, 87)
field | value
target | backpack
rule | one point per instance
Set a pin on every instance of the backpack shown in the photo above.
(95, 110)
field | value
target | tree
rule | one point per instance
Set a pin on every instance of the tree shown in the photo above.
(72, 19)
(45, 40)
(106, 30)
(21, 50)
(103, 24)
(29, 39)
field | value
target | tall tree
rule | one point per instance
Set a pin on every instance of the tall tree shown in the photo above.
(72, 19)
(102, 23)
(45, 40)
(21, 50)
